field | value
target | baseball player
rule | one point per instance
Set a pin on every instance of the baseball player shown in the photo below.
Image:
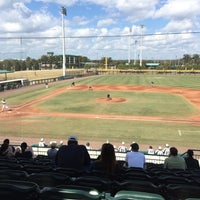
(4, 104)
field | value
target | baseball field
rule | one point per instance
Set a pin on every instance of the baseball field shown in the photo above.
(149, 109)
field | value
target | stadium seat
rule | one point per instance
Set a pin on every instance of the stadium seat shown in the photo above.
(135, 195)
(169, 179)
(11, 165)
(72, 194)
(100, 184)
(137, 185)
(182, 191)
(69, 171)
(11, 189)
(34, 168)
(10, 174)
(48, 179)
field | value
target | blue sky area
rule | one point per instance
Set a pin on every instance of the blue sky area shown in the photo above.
(100, 28)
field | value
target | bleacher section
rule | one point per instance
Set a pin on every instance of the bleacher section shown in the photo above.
(38, 179)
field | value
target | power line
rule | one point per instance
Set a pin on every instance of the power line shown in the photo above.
(101, 36)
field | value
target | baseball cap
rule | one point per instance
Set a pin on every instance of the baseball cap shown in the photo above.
(73, 138)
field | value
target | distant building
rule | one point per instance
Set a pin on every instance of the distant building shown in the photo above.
(152, 65)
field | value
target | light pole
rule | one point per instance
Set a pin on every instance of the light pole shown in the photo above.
(141, 43)
(129, 50)
(135, 50)
(64, 13)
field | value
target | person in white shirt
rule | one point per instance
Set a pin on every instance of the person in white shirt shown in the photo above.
(4, 105)
(166, 150)
(159, 151)
(122, 148)
(150, 150)
(42, 143)
(51, 153)
(134, 158)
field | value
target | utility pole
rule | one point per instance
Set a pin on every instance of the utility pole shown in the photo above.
(64, 13)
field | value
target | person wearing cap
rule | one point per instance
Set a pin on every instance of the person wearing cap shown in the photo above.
(42, 143)
(159, 151)
(73, 155)
(191, 162)
(174, 161)
(134, 158)
(166, 150)
(52, 151)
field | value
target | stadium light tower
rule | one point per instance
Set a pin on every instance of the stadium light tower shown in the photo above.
(141, 43)
(129, 50)
(135, 51)
(64, 13)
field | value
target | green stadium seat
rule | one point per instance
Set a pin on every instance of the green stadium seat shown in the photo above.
(11, 189)
(136, 195)
(72, 194)
(182, 191)
(48, 179)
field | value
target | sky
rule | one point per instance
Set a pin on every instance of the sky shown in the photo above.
(120, 29)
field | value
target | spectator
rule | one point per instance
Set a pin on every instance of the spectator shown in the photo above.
(159, 151)
(73, 155)
(150, 151)
(107, 160)
(135, 158)
(191, 163)
(6, 149)
(166, 150)
(61, 143)
(42, 143)
(174, 161)
(51, 153)
(88, 147)
(122, 148)
(24, 151)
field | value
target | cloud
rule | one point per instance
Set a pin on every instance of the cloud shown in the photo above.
(179, 9)
(20, 19)
(105, 22)
(99, 18)
(61, 2)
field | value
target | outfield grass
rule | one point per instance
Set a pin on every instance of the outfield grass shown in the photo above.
(154, 133)
(139, 103)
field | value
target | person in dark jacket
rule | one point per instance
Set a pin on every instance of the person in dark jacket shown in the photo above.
(24, 151)
(73, 155)
(191, 163)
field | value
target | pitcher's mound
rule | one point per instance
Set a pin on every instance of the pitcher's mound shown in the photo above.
(111, 100)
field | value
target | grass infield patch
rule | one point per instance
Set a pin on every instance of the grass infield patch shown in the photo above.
(137, 104)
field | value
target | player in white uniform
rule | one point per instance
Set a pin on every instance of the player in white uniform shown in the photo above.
(4, 104)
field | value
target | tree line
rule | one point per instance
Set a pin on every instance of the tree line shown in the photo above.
(55, 62)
